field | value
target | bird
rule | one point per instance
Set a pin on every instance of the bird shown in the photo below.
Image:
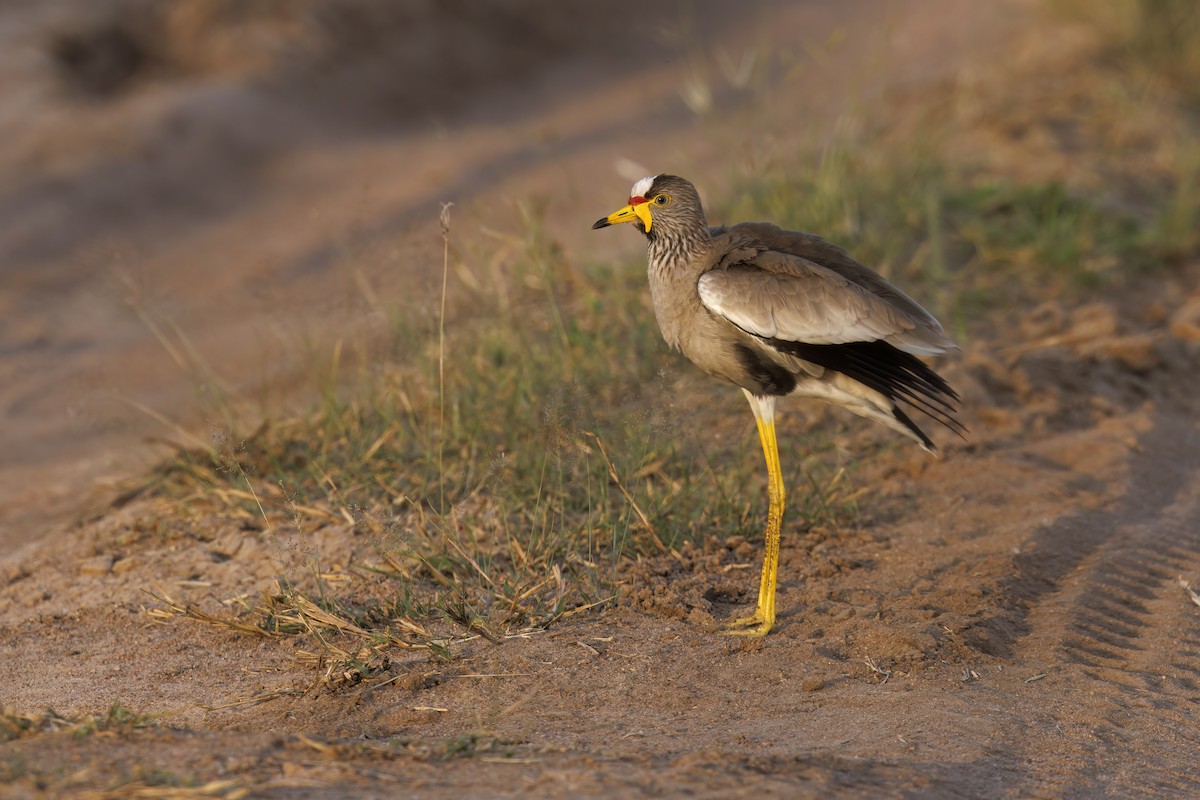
(778, 313)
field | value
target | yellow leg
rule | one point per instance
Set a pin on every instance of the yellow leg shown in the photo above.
(763, 618)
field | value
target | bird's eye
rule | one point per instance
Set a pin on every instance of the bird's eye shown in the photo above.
(661, 200)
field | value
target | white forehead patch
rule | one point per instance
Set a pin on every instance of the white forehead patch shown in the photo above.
(642, 187)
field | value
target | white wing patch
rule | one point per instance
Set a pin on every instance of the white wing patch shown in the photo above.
(641, 187)
(816, 309)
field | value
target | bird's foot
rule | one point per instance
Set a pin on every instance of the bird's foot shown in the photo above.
(757, 624)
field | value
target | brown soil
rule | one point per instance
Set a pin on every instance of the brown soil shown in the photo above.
(1006, 621)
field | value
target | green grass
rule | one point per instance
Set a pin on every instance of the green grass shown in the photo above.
(1157, 40)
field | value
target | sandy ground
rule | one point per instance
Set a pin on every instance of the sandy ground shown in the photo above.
(1007, 621)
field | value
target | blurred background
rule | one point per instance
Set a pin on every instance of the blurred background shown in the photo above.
(205, 205)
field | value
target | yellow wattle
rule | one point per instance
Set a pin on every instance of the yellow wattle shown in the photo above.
(643, 212)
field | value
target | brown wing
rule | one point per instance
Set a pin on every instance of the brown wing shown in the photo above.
(788, 286)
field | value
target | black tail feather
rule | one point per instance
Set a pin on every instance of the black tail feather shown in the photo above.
(895, 374)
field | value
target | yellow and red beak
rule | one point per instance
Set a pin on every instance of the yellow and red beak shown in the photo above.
(638, 209)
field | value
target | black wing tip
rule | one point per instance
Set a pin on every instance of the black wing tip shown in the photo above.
(926, 443)
(899, 376)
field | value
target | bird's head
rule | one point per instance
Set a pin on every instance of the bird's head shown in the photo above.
(659, 205)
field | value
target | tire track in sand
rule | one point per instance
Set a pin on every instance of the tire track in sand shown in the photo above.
(1101, 588)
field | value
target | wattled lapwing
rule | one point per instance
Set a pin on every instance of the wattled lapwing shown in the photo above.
(780, 312)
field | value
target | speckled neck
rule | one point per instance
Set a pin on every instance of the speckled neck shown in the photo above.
(674, 248)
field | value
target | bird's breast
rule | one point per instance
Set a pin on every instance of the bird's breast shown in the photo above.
(711, 342)
(676, 301)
